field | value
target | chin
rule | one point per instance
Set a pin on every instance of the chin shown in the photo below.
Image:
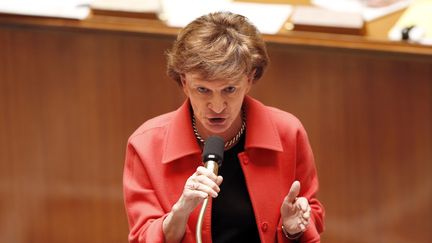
(217, 129)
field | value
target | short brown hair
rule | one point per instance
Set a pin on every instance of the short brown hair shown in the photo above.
(219, 45)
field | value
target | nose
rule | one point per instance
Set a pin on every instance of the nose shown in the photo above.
(217, 104)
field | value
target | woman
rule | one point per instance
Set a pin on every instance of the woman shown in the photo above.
(257, 196)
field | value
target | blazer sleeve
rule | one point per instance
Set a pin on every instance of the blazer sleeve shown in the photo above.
(144, 212)
(307, 175)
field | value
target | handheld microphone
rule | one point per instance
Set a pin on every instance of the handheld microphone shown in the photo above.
(212, 157)
(213, 153)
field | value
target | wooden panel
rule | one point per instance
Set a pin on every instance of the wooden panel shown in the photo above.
(369, 118)
(69, 101)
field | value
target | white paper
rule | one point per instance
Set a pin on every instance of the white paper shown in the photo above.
(368, 13)
(268, 18)
(306, 15)
(73, 9)
(128, 5)
(179, 13)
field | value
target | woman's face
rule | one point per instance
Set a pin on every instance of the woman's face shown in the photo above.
(216, 104)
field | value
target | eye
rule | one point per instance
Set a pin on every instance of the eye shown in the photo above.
(230, 89)
(202, 90)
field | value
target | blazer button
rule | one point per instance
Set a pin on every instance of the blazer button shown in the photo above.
(264, 226)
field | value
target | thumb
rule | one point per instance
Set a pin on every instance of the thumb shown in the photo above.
(294, 191)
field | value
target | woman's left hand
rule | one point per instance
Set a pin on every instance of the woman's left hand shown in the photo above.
(295, 211)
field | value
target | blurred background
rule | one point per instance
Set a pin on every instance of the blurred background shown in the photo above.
(73, 87)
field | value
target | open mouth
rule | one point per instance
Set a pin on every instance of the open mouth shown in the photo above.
(216, 120)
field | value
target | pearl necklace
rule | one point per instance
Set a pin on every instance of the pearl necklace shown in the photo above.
(228, 144)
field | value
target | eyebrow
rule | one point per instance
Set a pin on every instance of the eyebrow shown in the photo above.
(235, 84)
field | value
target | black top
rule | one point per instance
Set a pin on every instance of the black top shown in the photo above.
(233, 218)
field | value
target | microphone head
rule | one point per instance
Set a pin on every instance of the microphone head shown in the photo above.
(214, 149)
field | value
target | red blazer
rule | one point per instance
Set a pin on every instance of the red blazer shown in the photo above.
(163, 153)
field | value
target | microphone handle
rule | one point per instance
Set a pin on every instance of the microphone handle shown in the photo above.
(213, 166)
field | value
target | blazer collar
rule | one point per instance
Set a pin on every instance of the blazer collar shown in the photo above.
(180, 140)
(261, 132)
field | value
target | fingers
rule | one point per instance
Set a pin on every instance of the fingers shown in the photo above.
(200, 185)
(219, 180)
(201, 170)
(304, 212)
(296, 215)
(203, 183)
(194, 190)
(302, 203)
(294, 191)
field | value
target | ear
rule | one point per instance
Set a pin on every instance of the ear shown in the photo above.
(182, 79)
(252, 76)
(250, 80)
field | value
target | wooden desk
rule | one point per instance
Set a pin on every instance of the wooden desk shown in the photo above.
(71, 92)
(374, 40)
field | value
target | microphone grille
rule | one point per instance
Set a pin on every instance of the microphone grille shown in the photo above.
(214, 149)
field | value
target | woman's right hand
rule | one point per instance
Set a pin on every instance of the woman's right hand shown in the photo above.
(199, 185)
